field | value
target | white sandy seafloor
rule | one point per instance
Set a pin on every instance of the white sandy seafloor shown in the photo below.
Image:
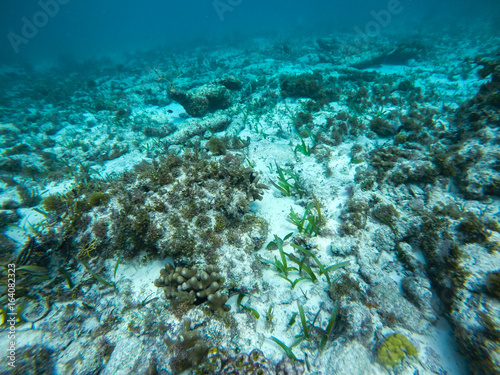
(74, 340)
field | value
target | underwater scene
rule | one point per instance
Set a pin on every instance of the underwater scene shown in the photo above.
(250, 187)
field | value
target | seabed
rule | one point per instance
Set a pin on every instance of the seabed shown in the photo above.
(315, 205)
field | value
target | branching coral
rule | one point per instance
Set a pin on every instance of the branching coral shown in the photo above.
(193, 286)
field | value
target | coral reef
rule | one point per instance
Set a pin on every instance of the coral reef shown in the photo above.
(386, 213)
(231, 83)
(193, 286)
(421, 206)
(188, 351)
(53, 203)
(204, 202)
(382, 127)
(306, 86)
(198, 102)
(394, 349)
(220, 361)
(216, 146)
(353, 217)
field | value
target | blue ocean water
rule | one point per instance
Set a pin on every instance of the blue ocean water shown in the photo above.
(249, 187)
(86, 29)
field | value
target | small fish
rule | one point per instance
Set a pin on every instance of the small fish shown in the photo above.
(170, 111)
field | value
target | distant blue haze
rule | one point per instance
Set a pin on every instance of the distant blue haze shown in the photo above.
(86, 29)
